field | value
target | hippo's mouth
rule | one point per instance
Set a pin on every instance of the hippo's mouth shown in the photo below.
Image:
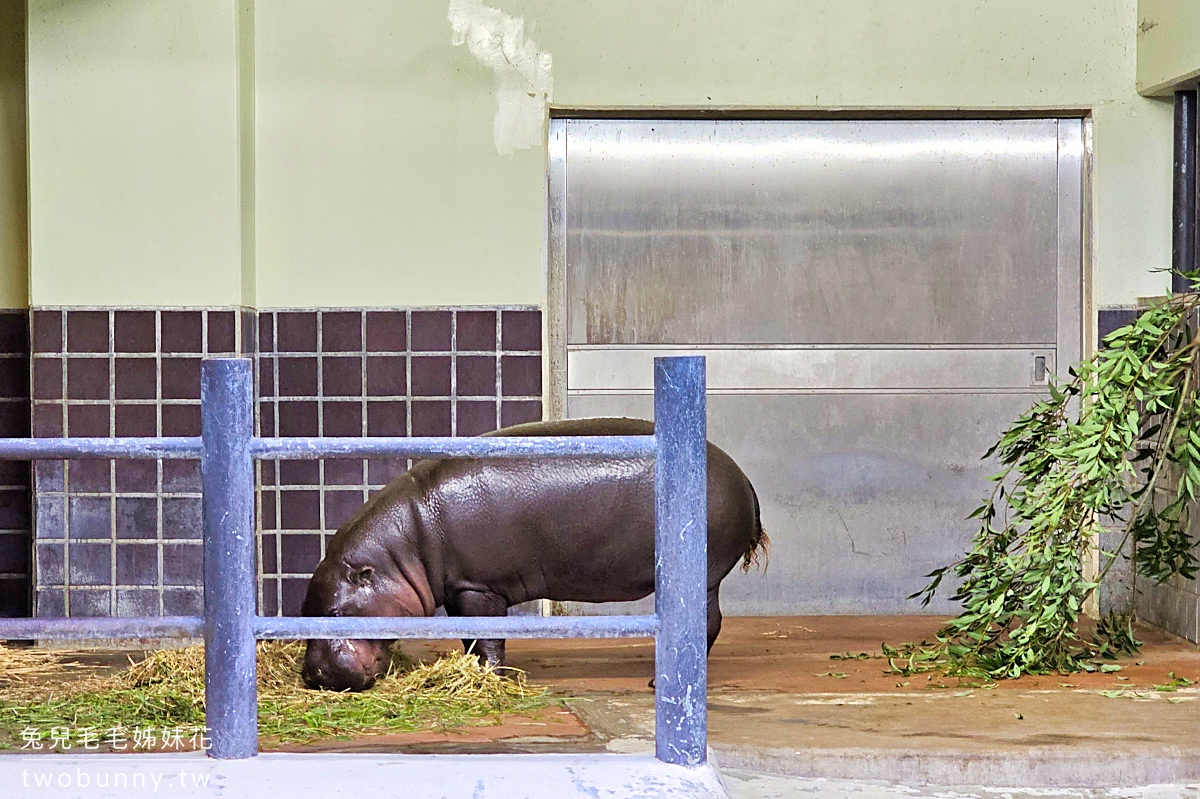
(343, 665)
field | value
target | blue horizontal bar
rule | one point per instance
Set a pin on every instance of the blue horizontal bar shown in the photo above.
(445, 447)
(456, 627)
(82, 629)
(24, 449)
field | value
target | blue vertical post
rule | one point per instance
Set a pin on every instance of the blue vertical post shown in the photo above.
(230, 669)
(681, 561)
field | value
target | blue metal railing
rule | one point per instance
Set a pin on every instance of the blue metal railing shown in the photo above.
(230, 626)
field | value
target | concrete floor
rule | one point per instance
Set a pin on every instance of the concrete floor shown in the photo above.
(750, 785)
(787, 720)
(778, 704)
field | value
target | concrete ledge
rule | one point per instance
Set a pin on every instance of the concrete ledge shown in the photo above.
(298, 776)
(1046, 767)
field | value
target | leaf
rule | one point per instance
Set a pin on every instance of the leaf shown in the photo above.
(1113, 451)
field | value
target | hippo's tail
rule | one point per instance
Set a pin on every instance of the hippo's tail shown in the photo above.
(759, 553)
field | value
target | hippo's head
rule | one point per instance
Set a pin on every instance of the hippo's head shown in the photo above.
(359, 577)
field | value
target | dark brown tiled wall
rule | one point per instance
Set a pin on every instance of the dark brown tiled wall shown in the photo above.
(123, 537)
(375, 372)
(16, 537)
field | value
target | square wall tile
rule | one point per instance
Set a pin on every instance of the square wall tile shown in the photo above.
(182, 517)
(342, 377)
(85, 421)
(180, 378)
(181, 420)
(87, 331)
(431, 376)
(89, 517)
(475, 331)
(137, 602)
(387, 331)
(521, 330)
(15, 596)
(521, 375)
(183, 602)
(431, 330)
(14, 332)
(90, 564)
(136, 476)
(222, 332)
(47, 331)
(137, 517)
(299, 473)
(137, 564)
(91, 602)
(135, 378)
(48, 378)
(476, 376)
(135, 420)
(14, 377)
(297, 331)
(182, 332)
(87, 378)
(341, 331)
(89, 475)
(135, 331)
(15, 510)
(387, 375)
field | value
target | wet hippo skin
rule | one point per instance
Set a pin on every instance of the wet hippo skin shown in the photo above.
(479, 536)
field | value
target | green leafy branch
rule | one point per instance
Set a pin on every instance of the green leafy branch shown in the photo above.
(1114, 449)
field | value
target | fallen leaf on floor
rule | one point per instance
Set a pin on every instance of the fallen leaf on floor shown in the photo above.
(1175, 683)
(839, 675)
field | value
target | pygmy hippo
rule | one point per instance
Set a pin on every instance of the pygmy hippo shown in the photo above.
(478, 536)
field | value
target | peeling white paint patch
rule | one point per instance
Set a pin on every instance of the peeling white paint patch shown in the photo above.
(523, 80)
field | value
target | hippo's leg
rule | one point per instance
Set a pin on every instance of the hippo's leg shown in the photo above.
(479, 603)
(714, 619)
(714, 615)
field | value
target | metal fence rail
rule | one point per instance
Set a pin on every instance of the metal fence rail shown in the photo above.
(227, 450)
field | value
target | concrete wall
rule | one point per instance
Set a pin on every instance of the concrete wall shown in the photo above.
(1168, 45)
(14, 218)
(381, 173)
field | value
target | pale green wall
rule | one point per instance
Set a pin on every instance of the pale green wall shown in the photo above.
(377, 182)
(134, 190)
(1168, 44)
(14, 242)
(376, 179)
